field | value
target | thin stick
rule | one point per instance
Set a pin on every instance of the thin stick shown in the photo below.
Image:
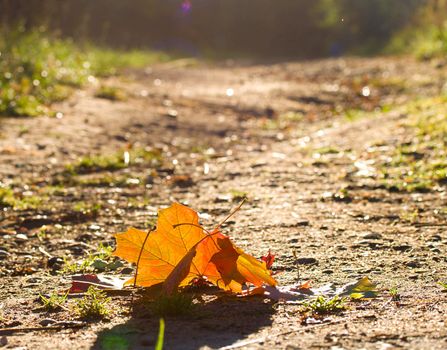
(5, 331)
(231, 214)
(139, 257)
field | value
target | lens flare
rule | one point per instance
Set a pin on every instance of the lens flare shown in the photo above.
(186, 6)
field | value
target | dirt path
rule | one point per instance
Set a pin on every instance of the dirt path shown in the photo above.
(204, 135)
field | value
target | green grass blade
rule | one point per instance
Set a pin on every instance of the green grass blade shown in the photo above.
(161, 335)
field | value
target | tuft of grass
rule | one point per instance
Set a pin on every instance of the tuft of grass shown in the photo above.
(102, 259)
(94, 305)
(238, 195)
(54, 302)
(106, 62)
(327, 150)
(321, 305)
(91, 164)
(177, 304)
(18, 202)
(37, 69)
(426, 41)
(394, 294)
(419, 164)
(115, 161)
(91, 209)
(111, 93)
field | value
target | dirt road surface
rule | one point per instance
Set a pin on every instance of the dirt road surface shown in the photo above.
(205, 135)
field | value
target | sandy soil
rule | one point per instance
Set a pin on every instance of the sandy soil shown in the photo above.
(221, 130)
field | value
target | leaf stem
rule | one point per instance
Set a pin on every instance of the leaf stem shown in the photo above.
(231, 214)
(191, 224)
(139, 257)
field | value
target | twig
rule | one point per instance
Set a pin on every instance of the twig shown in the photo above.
(231, 214)
(6, 331)
(44, 252)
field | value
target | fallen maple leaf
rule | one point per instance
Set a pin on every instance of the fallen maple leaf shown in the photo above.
(180, 251)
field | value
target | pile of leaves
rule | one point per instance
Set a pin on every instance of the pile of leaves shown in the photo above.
(180, 252)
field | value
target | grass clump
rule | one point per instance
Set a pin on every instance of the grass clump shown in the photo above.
(443, 285)
(37, 69)
(113, 162)
(111, 93)
(92, 164)
(238, 195)
(322, 305)
(54, 302)
(18, 202)
(99, 260)
(425, 42)
(394, 294)
(91, 209)
(420, 165)
(94, 305)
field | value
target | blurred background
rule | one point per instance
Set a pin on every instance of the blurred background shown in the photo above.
(49, 47)
(254, 28)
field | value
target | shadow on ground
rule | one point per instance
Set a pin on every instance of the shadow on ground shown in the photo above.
(214, 324)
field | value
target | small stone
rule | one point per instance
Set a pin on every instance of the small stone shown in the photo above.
(3, 341)
(3, 254)
(402, 247)
(54, 261)
(302, 223)
(436, 238)
(328, 271)
(372, 235)
(413, 264)
(20, 237)
(306, 261)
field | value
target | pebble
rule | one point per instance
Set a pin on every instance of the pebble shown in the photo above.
(3, 254)
(372, 235)
(413, 264)
(302, 223)
(402, 247)
(306, 261)
(3, 341)
(21, 237)
(54, 261)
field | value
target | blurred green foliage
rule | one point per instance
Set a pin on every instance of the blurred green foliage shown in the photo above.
(267, 28)
(426, 36)
(37, 69)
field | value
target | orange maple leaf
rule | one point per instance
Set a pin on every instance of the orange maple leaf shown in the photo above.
(180, 250)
